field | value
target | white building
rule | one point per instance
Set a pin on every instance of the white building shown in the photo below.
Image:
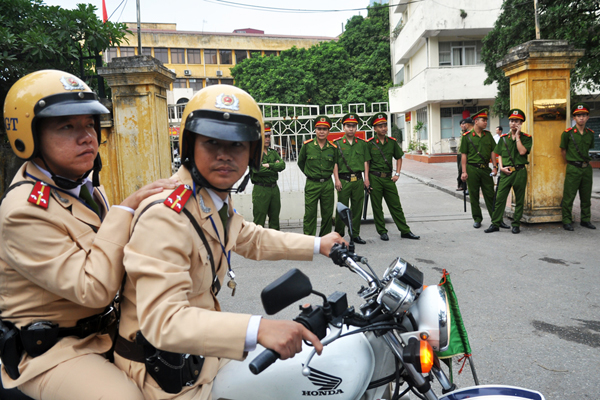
(437, 70)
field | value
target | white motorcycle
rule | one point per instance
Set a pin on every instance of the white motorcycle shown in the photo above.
(384, 351)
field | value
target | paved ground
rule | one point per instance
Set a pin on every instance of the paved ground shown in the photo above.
(530, 301)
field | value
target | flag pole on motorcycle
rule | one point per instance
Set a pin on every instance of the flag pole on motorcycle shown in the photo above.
(459, 340)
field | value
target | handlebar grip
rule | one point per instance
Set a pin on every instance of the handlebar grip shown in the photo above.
(263, 361)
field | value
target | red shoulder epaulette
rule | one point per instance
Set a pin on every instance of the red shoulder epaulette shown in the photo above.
(40, 195)
(393, 138)
(306, 141)
(360, 138)
(526, 134)
(466, 133)
(571, 128)
(371, 138)
(331, 143)
(590, 130)
(504, 134)
(176, 201)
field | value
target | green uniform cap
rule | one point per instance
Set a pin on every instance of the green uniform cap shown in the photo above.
(480, 114)
(324, 121)
(350, 119)
(515, 113)
(378, 119)
(580, 108)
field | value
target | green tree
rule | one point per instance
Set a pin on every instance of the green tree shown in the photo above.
(34, 36)
(354, 69)
(578, 22)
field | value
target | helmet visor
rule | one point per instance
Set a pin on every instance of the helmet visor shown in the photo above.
(59, 105)
(224, 126)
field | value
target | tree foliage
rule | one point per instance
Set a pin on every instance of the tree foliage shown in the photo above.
(354, 69)
(34, 36)
(577, 21)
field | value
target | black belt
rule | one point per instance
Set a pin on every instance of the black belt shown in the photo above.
(269, 185)
(579, 164)
(381, 174)
(129, 350)
(318, 180)
(516, 167)
(351, 177)
(482, 166)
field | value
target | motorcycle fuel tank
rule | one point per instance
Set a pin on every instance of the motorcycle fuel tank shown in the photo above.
(341, 372)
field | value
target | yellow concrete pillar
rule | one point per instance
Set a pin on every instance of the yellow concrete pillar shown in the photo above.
(135, 147)
(539, 73)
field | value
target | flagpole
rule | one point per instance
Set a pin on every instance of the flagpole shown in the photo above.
(537, 24)
(139, 30)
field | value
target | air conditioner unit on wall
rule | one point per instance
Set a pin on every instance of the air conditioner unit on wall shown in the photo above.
(187, 72)
(219, 73)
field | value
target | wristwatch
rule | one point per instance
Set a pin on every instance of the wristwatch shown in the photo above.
(397, 174)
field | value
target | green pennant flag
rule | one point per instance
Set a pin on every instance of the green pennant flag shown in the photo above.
(459, 340)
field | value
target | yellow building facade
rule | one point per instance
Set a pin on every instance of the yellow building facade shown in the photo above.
(201, 59)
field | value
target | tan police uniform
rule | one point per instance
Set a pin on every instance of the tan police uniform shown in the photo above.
(168, 289)
(61, 265)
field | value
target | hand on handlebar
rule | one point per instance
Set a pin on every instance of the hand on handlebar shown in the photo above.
(329, 240)
(285, 337)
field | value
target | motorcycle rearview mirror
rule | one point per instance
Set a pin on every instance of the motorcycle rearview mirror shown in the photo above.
(284, 291)
(346, 216)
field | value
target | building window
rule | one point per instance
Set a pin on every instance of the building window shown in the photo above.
(194, 56)
(255, 53)
(450, 118)
(111, 53)
(422, 117)
(227, 82)
(180, 83)
(213, 81)
(240, 55)
(146, 51)
(225, 56)
(210, 56)
(161, 54)
(399, 77)
(195, 84)
(177, 56)
(127, 51)
(460, 53)
(270, 53)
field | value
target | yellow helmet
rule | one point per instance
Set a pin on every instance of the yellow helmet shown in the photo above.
(223, 112)
(42, 94)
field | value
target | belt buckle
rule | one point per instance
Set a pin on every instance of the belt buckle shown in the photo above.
(353, 178)
(483, 166)
(584, 164)
(512, 169)
(321, 180)
(383, 175)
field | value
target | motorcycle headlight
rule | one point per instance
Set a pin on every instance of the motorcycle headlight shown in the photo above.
(396, 297)
(432, 313)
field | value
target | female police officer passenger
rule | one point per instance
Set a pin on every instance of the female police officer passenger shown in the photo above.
(179, 257)
(61, 247)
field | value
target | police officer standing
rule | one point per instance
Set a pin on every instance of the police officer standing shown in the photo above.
(317, 160)
(173, 337)
(476, 147)
(266, 198)
(512, 149)
(575, 144)
(61, 253)
(353, 160)
(465, 126)
(383, 181)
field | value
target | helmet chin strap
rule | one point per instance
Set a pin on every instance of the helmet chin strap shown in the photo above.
(201, 181)
(68, 184)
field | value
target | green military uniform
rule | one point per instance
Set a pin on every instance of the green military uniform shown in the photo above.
(579, 172)
(380, 176)
(351, 165)
(317, 164)
(517, 180)
(266, 199)
(478, 170)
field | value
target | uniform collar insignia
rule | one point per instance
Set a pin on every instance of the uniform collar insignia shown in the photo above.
(203, 206)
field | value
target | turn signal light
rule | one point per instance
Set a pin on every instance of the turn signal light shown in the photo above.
(420, 354)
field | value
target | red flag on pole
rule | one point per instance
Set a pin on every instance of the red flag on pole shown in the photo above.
(104, 14)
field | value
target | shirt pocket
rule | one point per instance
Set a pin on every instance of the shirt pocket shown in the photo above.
(201, 270)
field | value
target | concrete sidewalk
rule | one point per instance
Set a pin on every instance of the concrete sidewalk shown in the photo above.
(442, 176)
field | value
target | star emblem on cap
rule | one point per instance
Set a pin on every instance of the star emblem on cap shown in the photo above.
(227, 102)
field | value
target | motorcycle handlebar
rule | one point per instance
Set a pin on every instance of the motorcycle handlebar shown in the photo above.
(263, 361)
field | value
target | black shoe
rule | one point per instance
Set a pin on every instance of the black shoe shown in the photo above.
(587, 224)
(504, 226)
(359, 240)
(516, 229)
(492, 228)
(410, 235)
(477, 225)
(568, 227)
(384, 237)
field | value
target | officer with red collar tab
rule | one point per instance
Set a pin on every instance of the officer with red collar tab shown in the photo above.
(173, 337)
(353, 160)
(61, 252)
(476, 147)
(575, 145)
(384, 150)
(513, 148)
